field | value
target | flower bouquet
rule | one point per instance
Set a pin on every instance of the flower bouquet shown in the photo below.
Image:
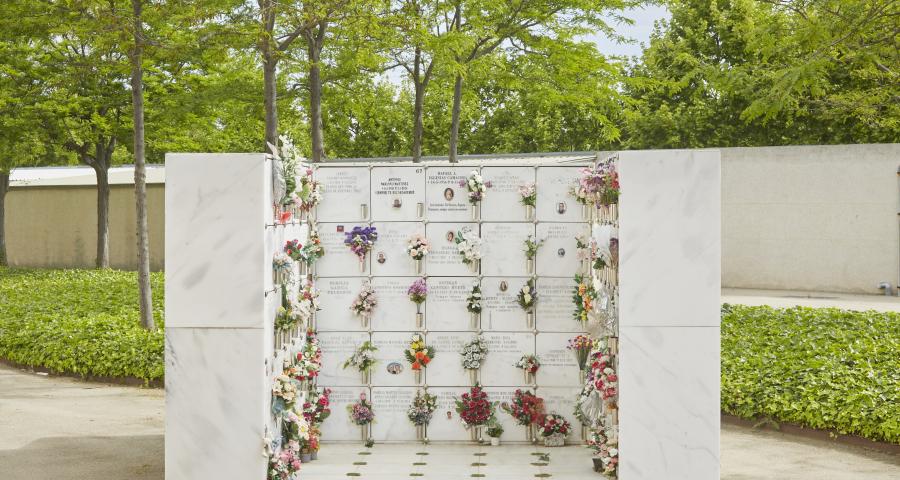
(360, 240)
(583, 296)
(597, 186)
(294, 249)
(363, 359)
(420, 413)
(527, 409)
(581, 346)
(285, 464)
(361, 414)
(312, 251)
(364, 304)
(469, 246)
(473, 305)
(531, 248)
(527, 298)
(287, 160)
(529, 364)
(296, 429)
(473, 354)
(308, 362)
(494, 430)
(602, 374)
(309, 193)
(417, 248)
(476, 187)
(418, 355)
(475, 410)
(417, 293)
(284, 394)
(606, 453)
(282, 268)
(554, 430)
(528, 198)
(288, 317)
(317, 406)
(307, 305)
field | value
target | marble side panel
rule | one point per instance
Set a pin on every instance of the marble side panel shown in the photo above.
(669, 414)
(398, 193)
(444, 259)
(337, 347)
(555, 307)
(561, 400)
(558, 365)
(395, 311)
(505, 349)
(216, 403)
(214, 239)
(335, 297)
(392, 424)
(504, 248)
(503, 202)
(390, 355)
(446, 368)
(501, 312)
(554, 203)
(446, 424)
(338, 426)
(446, 201)
(339, 261)
(389, 257)
(346, 194)
(670, 233)
(446, 303)
(558, 257)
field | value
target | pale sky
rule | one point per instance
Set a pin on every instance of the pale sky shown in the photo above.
(639, 32)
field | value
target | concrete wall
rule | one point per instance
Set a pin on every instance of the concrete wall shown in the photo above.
(816, 218)
(57, 226)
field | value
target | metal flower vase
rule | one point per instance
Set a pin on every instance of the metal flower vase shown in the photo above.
(529, 265)
(476, 433)
(555, 440)
(364, 431)
(474, 376)
(476, 212)
(418, 376)
(473, 321)
(529, 318)
(529, 213)
(366, 376)
(421, 434)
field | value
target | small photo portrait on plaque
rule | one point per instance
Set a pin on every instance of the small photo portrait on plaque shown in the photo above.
(503, 286)
(340, 228)
(449, 194)
(397, 203)
(394, 368)
(451, 236)
(561, 209)
(380, 258)
(561, 252)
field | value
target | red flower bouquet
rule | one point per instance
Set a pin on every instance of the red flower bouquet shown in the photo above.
(526, 407)
(474, 407)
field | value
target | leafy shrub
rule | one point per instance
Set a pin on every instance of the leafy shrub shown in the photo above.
(821, 367)
(80, 321)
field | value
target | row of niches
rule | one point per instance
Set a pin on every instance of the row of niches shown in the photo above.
(557, 364)
(546, 249)
(390, 405)
(447, 303)
(443, 193)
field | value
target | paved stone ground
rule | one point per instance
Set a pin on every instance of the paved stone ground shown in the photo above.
(63, 429)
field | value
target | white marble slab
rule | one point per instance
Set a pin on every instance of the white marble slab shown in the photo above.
(398, 193)
(558, 257)
(505, 349)
(338, 426)
(444, 259)
(501, 312)
(504, 248)
(445, 306)
(216, 397)
(554, 203)
(391, 346)
(561, 400)
(442, 427)
(335, 297)
(214, 246)
(558, 365)
(395, 311)
(337, 347)
(555, 306)
(392, 424)
(446, 201)
(502, 204)
(670, 232)
(389, 257)
(339, 261)
(669, 402)
(345, 196)
(446, 368)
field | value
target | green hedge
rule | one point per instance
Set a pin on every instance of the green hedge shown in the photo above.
(820, 367)
(79, 321)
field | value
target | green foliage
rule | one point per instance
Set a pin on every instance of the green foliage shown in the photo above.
(80, 321)
(820, 367)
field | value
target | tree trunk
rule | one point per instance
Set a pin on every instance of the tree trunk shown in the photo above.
(270, 100)
(140, 180)
(101, 169)
(418, 122)
(454, 124)
(315, 102)
(4, 187)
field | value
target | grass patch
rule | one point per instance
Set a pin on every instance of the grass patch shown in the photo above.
(824, 368)
(80, 321)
